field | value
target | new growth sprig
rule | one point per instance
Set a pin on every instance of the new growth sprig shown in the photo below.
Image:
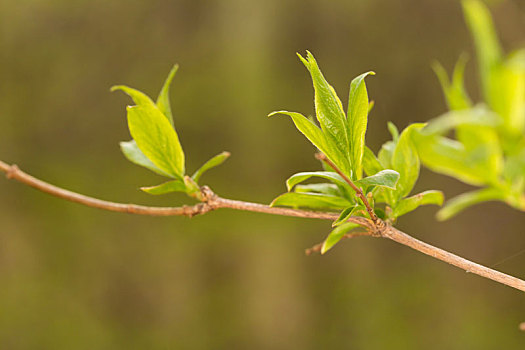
(489, 145)
(155, 144)
(384, 192)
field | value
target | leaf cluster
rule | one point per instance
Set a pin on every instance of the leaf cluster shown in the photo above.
(389, 177)
(155, 144)
(488, 147)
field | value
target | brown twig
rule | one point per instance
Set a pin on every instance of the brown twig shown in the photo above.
(318, 247)
(211, 202)
(357, 190)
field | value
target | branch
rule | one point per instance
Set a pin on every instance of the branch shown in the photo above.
(358, 191)
(211, 202)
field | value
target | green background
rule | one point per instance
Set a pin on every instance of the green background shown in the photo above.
(73, 277)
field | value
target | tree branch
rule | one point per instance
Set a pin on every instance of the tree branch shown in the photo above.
(211, 202)
(359, 193)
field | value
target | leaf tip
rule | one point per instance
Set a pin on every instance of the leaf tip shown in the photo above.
(442, 215)
(304, 60)
(116, 88)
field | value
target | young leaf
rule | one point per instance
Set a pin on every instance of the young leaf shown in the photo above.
(357, 121)
(212, 163)
(405, 160)
(140, 98)
(345, 214)
(336, 235)
(310, 200)
(465, 200)
(449, 157)
(315, 136)
(303, 176)
(509, 93)
(455, 93)
(348, 212)
(167, 187)
(156, 138)
(323, 188)
(329, 109)
(135, 155)
(371, 164)
(478, 116)
(406, 205)
(163, 100)
(385, 178)
(486, 41)
(385, 154)
(392, 128)
(514, 169)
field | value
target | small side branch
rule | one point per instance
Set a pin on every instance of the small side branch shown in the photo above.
(357, 190)
(211, 202)
(318, 247)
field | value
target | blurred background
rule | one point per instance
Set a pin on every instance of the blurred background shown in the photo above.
(73, 277)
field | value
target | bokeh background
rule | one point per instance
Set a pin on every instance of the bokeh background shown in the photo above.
(73, 277)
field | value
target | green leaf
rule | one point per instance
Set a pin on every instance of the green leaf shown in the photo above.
(345, 214)
(385, 178)
(303, 176)
(324, 188)
(167, 187)
(392, 128)
(508, 95)
(371, 106)
(315, 136)
(212, 163)
(329, 110)
(163, 100)
(156, 138)
(405, 161)
(478, 116)
(488, 49)
(465, 200)
(135, 155)
(140, 98)
(356, 210)
(406, 205)
(310, 200)
(336, 235)
(371, 164)
(455, 93)
(385, 154)
(450, 157)
(358, 106)
(514, 171)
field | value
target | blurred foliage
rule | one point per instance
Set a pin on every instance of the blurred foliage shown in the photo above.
(75, 277)
(489, 145)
